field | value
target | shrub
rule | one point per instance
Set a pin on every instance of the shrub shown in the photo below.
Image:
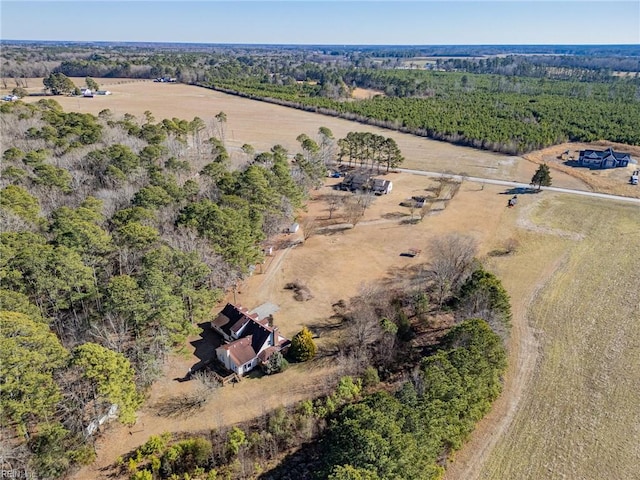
(370, 377)
(303, 347)
(275, 364)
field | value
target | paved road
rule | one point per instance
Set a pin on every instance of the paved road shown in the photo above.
(521, 185)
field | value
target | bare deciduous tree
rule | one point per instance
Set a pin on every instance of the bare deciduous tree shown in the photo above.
(309, 227)
(334, 201)
(365, 199)
(366, 341)
(353, 211)
(452, 261)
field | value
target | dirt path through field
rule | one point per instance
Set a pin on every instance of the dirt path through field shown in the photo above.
(523, 283)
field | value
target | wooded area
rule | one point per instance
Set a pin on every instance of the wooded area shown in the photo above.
(513, 103)
(116, 242)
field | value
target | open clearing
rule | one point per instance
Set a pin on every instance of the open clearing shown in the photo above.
(569, 409)
(612, 180)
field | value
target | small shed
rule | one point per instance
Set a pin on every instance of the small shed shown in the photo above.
(382, 186)
(293, 228)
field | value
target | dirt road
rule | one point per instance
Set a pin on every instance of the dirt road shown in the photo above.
(507, 183)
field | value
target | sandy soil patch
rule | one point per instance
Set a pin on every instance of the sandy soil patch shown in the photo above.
(365, 93)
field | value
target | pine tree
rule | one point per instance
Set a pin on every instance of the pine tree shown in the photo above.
(542, 177)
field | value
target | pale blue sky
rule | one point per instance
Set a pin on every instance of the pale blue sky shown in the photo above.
(335, 22)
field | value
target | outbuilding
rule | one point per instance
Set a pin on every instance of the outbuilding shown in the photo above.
(382, 186)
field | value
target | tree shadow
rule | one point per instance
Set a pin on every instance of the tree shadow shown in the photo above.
(519, 191)
(306, 462)
(180, 406)
(339, 229)
(205, 347)
(394, 215)
(329, 325)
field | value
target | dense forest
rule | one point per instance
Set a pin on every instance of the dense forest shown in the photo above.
(489, 112)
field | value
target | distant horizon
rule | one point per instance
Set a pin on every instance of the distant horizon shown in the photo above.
(395, 45)
(330, 23)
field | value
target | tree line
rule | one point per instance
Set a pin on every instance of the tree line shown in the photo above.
(363, 148)
(500, 121)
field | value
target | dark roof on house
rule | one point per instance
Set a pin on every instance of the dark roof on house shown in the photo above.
(246, 348)
(357, 179)
(600, 154)
(232, 318)
(254, 336)
(259, 334)
(380, 183)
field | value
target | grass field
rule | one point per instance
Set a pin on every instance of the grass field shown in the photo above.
(578, 417)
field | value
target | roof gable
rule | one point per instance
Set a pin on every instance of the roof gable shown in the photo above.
(232, 319)
(240, 351)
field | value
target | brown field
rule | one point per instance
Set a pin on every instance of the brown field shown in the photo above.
(568, 406)
(580, 418)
